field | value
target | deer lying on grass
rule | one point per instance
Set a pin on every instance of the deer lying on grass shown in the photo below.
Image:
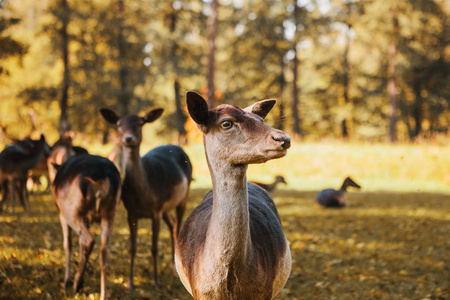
(86, 189)
(335, 198)
(153, 185)
(233, 246)
(15, 161)
(270, 187)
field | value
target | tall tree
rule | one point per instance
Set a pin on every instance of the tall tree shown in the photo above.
(212, 34)
(65, 14)
(392, 83)
(124, 94)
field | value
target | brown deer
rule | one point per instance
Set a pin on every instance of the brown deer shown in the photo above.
(270, 187)
(86, 189)
(153, 185)
(335, 198)
(61, 151)
(15, 162)
(233, 246)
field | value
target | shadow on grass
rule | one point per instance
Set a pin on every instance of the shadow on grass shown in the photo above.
(382, 246)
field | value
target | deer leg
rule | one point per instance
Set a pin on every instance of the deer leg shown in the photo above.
(13, 195)
(156, 223)
(107, 227)
(171, 223)
(133, 224)
(180, 212)
(67, 241)
(6, 193)
(23, 195)
(86, 245)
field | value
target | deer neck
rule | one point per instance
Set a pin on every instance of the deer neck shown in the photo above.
(34, 157)
(132, 161)
(228, 235)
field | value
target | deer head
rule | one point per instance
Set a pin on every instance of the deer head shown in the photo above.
(235, 135)
(130, 126)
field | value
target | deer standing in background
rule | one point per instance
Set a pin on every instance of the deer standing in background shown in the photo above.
(15, 161)
(153, 185)
(233, 246)
(86, 189)
(270, 187)
(335, 198)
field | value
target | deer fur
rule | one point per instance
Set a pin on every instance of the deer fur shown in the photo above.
(233, 246)
(86, 189)
(154, 184)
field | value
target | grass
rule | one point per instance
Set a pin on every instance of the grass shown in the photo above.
(391, 242)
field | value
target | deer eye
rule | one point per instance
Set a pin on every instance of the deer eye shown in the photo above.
(226, 124)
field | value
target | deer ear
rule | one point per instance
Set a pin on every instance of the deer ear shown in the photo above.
(198, 108)
(261, 108)
(109, 115)
(153, 115)
(89, 179)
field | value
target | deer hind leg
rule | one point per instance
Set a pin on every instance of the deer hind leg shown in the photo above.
(133, 224)
(156, 224)
(23, 195)
(6, 192)
(180, 213)
(107, 228)
(67, 241)
(86, 245)
(171, 223)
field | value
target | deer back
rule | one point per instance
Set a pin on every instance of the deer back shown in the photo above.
(75, 185)
(165, 167)
(17, 159)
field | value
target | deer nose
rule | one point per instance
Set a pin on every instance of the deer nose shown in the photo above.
(284, 139)
(128, 139)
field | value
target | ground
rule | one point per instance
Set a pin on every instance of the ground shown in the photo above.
(382, 246)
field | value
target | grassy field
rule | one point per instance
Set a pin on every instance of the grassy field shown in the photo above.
(391, 242)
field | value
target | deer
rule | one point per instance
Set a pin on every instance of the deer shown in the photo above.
(335, 198)
(153, 185)
(232, 246)
(270, 187)
(15, 162)
(61, 151)
(86, 189)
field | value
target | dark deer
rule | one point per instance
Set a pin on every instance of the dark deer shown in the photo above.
(15, 162)
(335, 198)
(40, 170)
(270, 187)
(86, 189)
(153, 185)
(233, 246)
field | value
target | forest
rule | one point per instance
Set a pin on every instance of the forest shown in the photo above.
(362, 89)
(366, 70)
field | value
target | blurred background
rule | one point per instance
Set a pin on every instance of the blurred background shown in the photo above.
(346, 74)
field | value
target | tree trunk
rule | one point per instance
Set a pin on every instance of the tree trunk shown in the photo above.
(63, 122)
(212, 33)
(282, 84)
(417, 109)
(124, 95)
(181, 118)
(346, 81)
(392, 85)
(295, 102)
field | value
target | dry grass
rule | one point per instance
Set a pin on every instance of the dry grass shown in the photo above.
(382, 246)
(391, 242)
